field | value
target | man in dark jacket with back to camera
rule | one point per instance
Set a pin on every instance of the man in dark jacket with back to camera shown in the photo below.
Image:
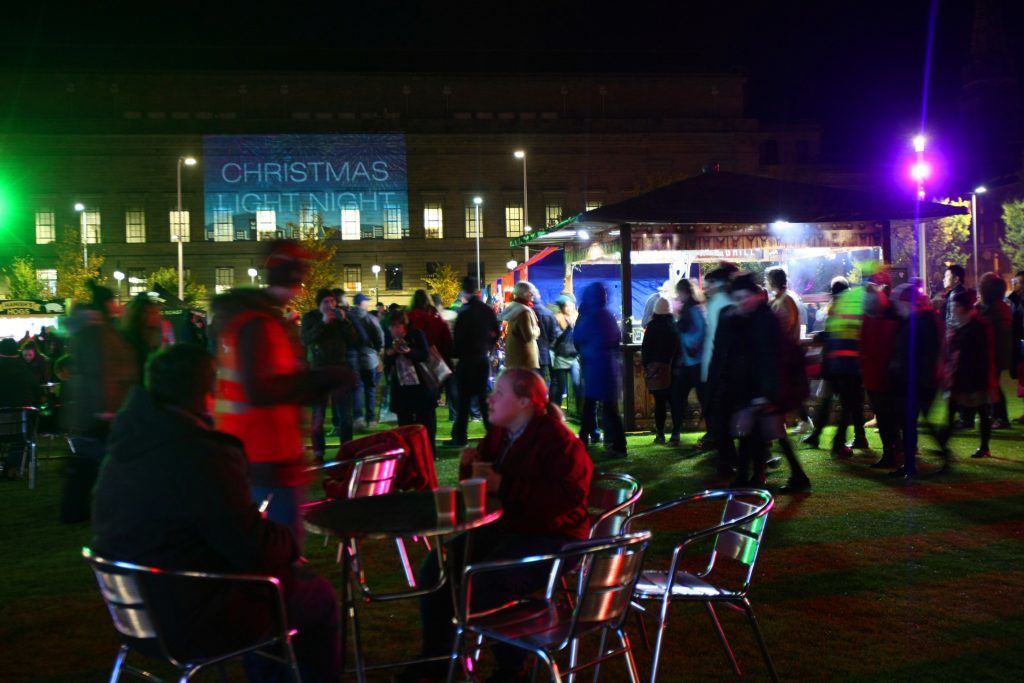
(174, 493)
(476, 333)
(18, 389)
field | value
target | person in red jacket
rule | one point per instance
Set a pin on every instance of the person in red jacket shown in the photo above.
(876, 349)
(541, 472)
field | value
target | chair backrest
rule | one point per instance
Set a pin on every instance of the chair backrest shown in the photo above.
(374, 473)
(741, 542)
(18, 424)
(611, 499)
(119, 586)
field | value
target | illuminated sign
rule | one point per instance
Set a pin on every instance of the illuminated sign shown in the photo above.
(258, 186)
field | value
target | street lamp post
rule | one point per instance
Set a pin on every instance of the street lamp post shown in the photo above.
(477, 201)
(119, 276)
(187, 161)
(252, 276)
(919, 173)
(80, 208)
(376, 280)
(521, 155)
(981, 189)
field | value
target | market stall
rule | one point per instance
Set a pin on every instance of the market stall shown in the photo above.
(816, 232)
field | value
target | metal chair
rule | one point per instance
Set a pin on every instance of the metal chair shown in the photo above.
(18, 427)
(735, 541)
(610, 501)
(544, 626)
(128, 591)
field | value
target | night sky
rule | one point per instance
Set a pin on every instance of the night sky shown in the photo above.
(855, 67)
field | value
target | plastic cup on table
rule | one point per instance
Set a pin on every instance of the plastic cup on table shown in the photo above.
(474, 496)
(444, 504)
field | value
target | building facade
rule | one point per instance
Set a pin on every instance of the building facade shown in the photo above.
(112, 143)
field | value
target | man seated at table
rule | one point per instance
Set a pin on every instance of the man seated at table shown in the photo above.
(174, 493)
(541, 472)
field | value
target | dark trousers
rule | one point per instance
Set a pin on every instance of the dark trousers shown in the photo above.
(909, 409)
(471, 376)
(370, 379)
(561, 380)
(984, 424)
(887, 412)
(684, 380)
(489, 590)
(850, 391)
(611, 421)
(80, 478)
(795, 468)
(341, 404)
(312, 607)
(423, 414)
(661, 401)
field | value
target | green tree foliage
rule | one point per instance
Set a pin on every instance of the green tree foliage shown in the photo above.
(946, 240)
(1013, 242)
(72, 275)
(446, 282)
(22, 282)
(167, 278)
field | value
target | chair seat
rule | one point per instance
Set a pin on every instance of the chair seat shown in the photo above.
(651, 586)
(535, 622)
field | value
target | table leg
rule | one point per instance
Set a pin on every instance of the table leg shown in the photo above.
(350, 614)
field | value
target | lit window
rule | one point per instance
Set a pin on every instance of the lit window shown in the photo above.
(224, 279)
(134, 224)
(136, 281)
(180, 226)
(553, 213)
(48, 279)
(393, 229)
(392, 277)
(352, 276)
(513, 220)
(593, 204)
(45, 232)
(350, 223)
(309, 223)
(90, 222)
(433, 225)
(474, 229)
(266, 225)
(223, 225)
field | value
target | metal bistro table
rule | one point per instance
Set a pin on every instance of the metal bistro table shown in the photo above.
(386, 517)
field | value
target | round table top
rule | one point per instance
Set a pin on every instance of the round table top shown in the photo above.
(409, 513)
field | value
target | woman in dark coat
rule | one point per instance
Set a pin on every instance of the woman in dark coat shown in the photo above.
(658, 354)
(597, 338)
(971, 367)
(993, 308)
(412, 399)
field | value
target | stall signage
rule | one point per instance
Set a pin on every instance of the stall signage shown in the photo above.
(31, 307)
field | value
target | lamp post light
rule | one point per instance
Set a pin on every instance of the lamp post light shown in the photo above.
(477, 201)
(252, 276)
(919, 172)
(511, 264)
(187, 161)
(521, 155)
(375, 269)
(981, 189)
(80, 208)
(119, 276)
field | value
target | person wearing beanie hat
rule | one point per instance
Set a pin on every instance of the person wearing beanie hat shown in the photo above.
(473, 340)
(263, 382)
(659, 353)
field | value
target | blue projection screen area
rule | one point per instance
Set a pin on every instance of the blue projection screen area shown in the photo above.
(266, 186)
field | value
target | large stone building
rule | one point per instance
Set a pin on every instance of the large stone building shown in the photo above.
(112, 142)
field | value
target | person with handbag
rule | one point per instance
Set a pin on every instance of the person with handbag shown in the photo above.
(658, 353)
(413, 394)
(691, 326)
(521, 330)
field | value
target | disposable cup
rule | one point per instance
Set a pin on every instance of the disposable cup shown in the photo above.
(444, 504)
(474, 496)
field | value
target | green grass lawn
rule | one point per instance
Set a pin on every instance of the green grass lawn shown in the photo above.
(866, 578)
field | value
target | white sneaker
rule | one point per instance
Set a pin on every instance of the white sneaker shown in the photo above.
(803, 427)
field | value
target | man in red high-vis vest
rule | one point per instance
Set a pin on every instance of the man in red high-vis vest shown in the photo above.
(263, 383)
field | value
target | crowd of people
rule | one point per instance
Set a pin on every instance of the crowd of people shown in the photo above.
(194, 456)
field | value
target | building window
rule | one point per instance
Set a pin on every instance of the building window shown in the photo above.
(309, 222)
(224, 280)
(432, 267)
(593, 204)
(770, 153)
(266, 225)
(352, 276)
(474, 229)
(180, 226)
(513, 220)
(393, 277)
(136, 281)
(134, 225)
(553, 213)
(90, 222)
(393, 223)
(433, 224)
(47, 277)
(350, 223)
(45, 231)
(223, 225)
